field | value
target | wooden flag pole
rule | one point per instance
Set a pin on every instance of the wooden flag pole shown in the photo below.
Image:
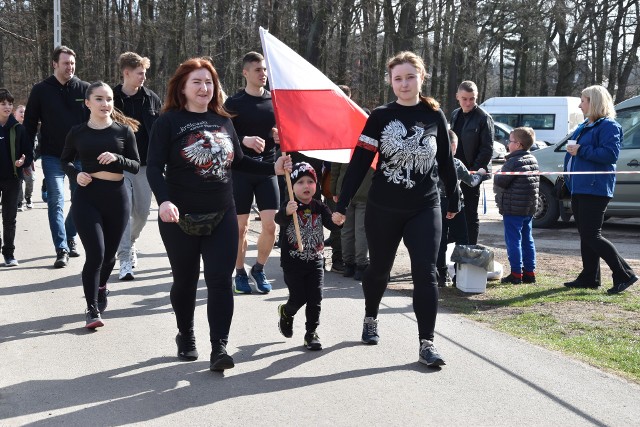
(287, 177)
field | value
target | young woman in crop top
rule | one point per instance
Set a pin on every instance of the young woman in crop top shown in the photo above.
(106, 147)
(411, 138)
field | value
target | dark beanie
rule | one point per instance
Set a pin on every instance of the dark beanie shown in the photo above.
(301, 169)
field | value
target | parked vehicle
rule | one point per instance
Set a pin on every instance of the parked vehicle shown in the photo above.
(626, 198)
(501, 134)
(551, 117)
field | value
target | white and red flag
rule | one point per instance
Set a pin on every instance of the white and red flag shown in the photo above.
(313, 115)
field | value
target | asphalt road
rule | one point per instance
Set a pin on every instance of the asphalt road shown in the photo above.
(54, 372)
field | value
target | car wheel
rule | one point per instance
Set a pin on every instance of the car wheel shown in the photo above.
(548, 209)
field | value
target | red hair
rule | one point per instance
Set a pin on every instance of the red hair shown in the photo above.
(175, 99)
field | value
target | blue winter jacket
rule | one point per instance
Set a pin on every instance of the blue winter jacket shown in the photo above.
(600, 144)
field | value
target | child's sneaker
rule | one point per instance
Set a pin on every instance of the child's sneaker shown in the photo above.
(370, 331)
(29, 204)
(529, 277)
(312, 341)
(429, 355)
(286, 322)
(103, 292)
(512, 279)
(10, 261)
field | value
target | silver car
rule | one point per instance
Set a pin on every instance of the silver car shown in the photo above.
(626, 198)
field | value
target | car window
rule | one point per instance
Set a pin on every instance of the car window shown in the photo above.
(629, 119)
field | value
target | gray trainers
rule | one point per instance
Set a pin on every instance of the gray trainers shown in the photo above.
(93, 318)
(126, 272)
(370, 331)
(429, 355)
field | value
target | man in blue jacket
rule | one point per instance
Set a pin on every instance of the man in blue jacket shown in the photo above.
(57, 103)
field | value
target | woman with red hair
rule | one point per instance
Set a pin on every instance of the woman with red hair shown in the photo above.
(193, 147)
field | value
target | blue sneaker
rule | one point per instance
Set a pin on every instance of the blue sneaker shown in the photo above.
(242, 284)
(370, 331)
(260, 278)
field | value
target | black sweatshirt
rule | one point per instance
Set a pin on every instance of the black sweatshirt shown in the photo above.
(414, 151)
(254, 117)
(86, 144)
(58, 107)
(8, 169)
(311, 218)
(198, 151)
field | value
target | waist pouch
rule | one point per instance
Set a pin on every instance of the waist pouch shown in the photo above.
(200, 224)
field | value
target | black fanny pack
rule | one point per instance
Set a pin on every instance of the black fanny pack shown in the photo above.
(200, 224)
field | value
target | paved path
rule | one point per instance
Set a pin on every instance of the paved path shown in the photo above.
(54, 372)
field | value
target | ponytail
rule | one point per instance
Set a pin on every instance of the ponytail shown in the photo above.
(431, 102)
(119, 117)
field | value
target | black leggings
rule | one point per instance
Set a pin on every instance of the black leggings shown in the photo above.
(421, 232)
(218, 252)
(305, 287)
(100, 212)
(588, 211)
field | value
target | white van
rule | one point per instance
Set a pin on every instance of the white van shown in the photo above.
(551, 117)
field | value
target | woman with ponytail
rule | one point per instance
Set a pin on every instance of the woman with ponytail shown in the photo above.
(105, 147)
(411, 139)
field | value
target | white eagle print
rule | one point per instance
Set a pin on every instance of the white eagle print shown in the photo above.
(406, 155)
(210, 152)
(311, 234)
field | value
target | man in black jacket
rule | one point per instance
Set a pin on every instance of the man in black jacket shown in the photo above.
(57, 103)
(474, 128)
(142, 104)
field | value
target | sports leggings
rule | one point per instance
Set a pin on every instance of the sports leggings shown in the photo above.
(100, 213)
(218, 252)
(421, 232)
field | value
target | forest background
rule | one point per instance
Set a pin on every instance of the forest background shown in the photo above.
(508, 47)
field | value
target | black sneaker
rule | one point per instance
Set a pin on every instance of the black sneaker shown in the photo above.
(286, 322)
(429, 355)
(312, 341)
(73, 249)
(187, 346)
(349, 270)
(511, 279)
(62, 258)
(581, 285)
(337, 266)
(529, 278)
(360, 271)
(370, 331)
(94, 320)
(103, 292)
(220, 360)
(619, 287)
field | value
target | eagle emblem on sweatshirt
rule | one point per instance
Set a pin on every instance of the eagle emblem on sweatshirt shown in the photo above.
(406, 153)
(211, 153)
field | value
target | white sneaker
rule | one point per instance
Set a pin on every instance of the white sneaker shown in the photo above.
(133, 257)
(126, 272)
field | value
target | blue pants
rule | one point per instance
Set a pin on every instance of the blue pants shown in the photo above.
(61, 230)
(518, 236)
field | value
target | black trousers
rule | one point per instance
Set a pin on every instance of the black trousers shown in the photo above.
(100, 212)
(588, 211)
(305, 287)
(421, 233)
(471, 201)
(218, 252)
(9, 192)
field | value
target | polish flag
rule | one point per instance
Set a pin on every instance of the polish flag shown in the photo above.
(313, 115)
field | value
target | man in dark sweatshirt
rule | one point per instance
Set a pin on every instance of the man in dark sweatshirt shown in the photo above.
(57, 103)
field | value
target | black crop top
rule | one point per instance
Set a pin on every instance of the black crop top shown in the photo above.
(86, 144)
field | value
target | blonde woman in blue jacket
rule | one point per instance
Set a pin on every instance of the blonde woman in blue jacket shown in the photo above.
(598, 145)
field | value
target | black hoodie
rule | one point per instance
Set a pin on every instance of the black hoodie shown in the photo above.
(58, 108)
(7, 162)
